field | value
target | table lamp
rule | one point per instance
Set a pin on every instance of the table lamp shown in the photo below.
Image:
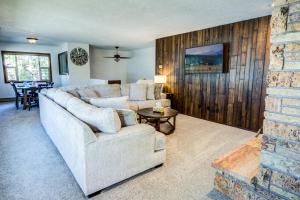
(161, 79)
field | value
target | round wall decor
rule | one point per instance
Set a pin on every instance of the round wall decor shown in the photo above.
(79, 56)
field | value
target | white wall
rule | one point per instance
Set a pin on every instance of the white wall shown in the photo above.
(141, 65)
(107, 68)
(6, 91)
(78, 75)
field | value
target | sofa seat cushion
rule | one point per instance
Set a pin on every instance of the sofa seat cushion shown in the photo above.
(138, 92)
(127, 117)
(165, 102)
(114, 102)
(108, 90)
(150, 103)
(160, 141)
(104, 119)
(133, 106)
(61, 98)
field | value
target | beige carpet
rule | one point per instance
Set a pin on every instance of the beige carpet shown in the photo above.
(31, 167)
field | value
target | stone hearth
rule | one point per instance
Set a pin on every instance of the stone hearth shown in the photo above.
(274, 171)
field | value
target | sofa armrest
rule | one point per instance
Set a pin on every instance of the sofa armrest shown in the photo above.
(118, 156)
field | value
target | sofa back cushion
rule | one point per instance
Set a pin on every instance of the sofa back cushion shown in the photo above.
(61, 98)
(104, 119)
(151, 86)
(125, 89)
(108, 90)
(114, 102)
(141, 81)
(51, 92)
(138, 92)
(87, 93)
(150, 91)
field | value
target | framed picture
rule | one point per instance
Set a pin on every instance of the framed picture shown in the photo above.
(206, 59)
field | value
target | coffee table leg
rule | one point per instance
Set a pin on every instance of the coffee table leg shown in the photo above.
(174, 121)
(157, 123)
(140, 119)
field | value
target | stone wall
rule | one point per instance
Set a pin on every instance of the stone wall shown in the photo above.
(280, 157)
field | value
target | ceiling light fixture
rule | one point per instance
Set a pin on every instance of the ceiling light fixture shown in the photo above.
(32, 40)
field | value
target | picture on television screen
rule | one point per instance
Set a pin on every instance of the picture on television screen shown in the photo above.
(206, 59)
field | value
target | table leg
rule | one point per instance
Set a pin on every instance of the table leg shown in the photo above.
(157, 125)
(174, 121)
(25, 100)
(140, 119)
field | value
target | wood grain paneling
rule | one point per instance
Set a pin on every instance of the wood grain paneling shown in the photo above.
(235, 98)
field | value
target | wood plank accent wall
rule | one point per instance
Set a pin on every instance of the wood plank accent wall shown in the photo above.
(235, 98)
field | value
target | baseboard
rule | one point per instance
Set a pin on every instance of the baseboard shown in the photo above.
(7, 99)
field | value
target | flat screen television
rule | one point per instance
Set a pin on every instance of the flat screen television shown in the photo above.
(63, 63)
(206, 59)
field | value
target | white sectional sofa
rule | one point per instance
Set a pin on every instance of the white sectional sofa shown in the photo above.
(123, 90)
(98, 159)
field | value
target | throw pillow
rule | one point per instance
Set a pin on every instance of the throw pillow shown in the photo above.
(157, 91)
(104, 119)
(138, 92)
(87, 93)
(108, 90)
(127, 117)
(115, 102)
(150, 91)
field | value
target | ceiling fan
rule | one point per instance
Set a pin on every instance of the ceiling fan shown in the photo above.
(117, 57)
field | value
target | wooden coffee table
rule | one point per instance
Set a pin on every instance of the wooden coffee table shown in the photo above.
(157, 119)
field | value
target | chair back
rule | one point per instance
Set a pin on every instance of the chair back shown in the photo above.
(14, 87)
(50, 84)
(45, 85)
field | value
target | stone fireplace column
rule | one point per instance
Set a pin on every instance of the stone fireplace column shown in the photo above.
(279, 171)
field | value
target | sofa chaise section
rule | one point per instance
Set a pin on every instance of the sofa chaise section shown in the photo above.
(99, 160)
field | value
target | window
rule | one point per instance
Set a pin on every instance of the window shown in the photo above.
(22, 66)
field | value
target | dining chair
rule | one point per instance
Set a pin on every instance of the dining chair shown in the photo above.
(33, 98)
(50, 84)
(19, 95)
(42, 86)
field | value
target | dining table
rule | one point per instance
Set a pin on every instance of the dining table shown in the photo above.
(25, 90)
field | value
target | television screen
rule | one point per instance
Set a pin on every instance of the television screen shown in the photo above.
(63, 63)
(205, 59)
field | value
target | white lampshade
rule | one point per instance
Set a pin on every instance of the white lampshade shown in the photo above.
(160, 79)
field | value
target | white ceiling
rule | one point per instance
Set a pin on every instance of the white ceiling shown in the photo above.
(127, 23)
